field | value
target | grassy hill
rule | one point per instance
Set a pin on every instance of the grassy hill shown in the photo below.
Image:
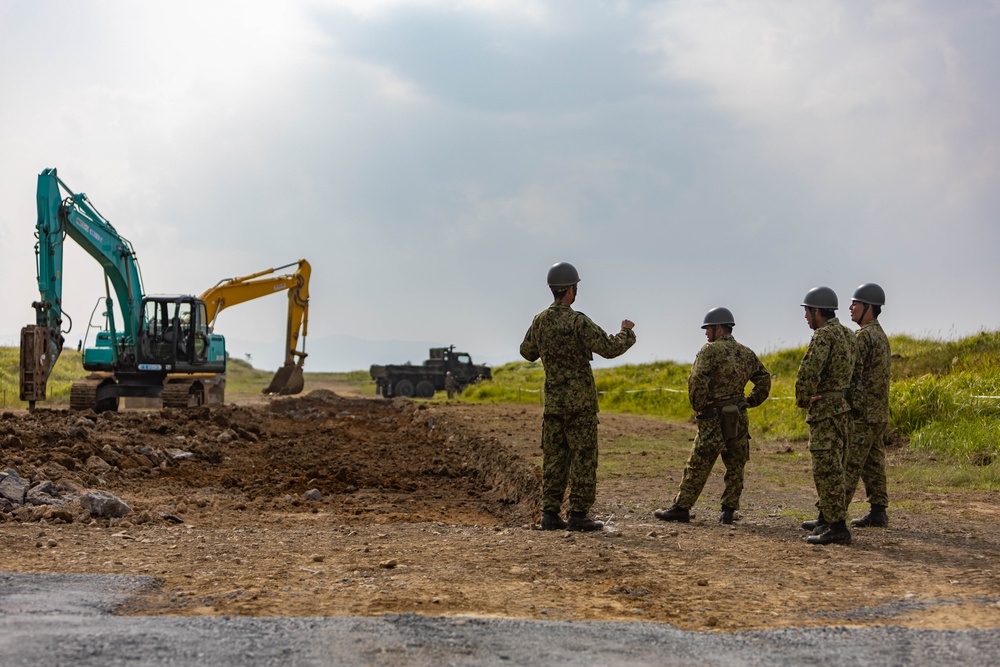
(945, 395)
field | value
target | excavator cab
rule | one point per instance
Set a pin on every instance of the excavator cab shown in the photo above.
(174, 333)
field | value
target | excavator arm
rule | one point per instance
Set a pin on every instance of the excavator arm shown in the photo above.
(73, 216)
(233, 291)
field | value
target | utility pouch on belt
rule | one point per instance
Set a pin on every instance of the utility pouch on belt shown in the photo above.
(729, 420)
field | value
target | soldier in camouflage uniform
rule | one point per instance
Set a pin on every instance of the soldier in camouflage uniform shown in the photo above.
(821, 386)
(870, 400)
(716, 384)
(565, 340)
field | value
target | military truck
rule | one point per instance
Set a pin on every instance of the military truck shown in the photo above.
(422, 381)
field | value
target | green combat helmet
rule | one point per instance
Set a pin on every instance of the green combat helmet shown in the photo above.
(870, 293)
(719, 315)
(823, 298)
(563, 274)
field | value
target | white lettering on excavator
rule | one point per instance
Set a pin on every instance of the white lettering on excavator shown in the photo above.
(150, 367)
(279, 287)
(85, 227)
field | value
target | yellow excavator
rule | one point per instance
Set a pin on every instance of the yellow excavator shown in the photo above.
(233, 291)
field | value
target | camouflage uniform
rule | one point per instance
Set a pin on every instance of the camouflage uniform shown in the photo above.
(450, 385)
(870, 401)
(826, 370)
(720, 372)
(565, 340)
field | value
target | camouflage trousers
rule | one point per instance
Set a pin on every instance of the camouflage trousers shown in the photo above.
(708, 445)
(865, 460)
(828, 439)
(569, 458)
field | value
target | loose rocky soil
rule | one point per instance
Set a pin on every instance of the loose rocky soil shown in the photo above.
(430, 508)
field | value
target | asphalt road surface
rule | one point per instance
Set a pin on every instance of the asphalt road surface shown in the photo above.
(56, 620)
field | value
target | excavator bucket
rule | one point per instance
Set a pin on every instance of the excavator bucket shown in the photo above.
(288, 380)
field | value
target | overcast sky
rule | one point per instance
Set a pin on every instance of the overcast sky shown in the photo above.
(433, 158)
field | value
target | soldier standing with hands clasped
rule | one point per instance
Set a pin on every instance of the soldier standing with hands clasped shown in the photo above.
(566, 340)
(821, 386)
(716, 384)
(866, 456)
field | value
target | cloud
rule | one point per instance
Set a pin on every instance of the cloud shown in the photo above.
(432, 159)
(878, 100)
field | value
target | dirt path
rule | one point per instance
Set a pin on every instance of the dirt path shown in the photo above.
(428, 508)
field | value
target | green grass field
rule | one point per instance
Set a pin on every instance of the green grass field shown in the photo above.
(945, 396)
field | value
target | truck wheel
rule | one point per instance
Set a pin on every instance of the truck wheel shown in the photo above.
(404, 388)
(425, 389)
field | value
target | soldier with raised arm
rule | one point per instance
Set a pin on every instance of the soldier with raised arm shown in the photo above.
(566, 340)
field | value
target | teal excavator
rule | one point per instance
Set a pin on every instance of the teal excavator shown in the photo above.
(164, 347)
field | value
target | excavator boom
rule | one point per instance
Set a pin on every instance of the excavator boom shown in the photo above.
(232, 291)
(62, 213)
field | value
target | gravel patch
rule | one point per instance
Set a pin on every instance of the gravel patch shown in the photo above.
(68, 620)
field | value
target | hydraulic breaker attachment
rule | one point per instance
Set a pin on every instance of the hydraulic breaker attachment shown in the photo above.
(39, 351)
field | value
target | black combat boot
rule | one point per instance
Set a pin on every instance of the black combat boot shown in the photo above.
(835, 533)
(552, 521)
(818, 522)
(727, 515)
(675, 513)
(580, 521)
(876, 518)
(821, 528)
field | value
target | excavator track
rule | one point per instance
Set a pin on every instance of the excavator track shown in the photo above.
(178, 395)
(83, 395)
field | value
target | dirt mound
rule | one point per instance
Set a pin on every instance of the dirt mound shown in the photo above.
(354, 457)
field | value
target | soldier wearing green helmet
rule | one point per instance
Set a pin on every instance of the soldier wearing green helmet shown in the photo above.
(821, 387)
(566, 340)
(716, 386)
(865, 458)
